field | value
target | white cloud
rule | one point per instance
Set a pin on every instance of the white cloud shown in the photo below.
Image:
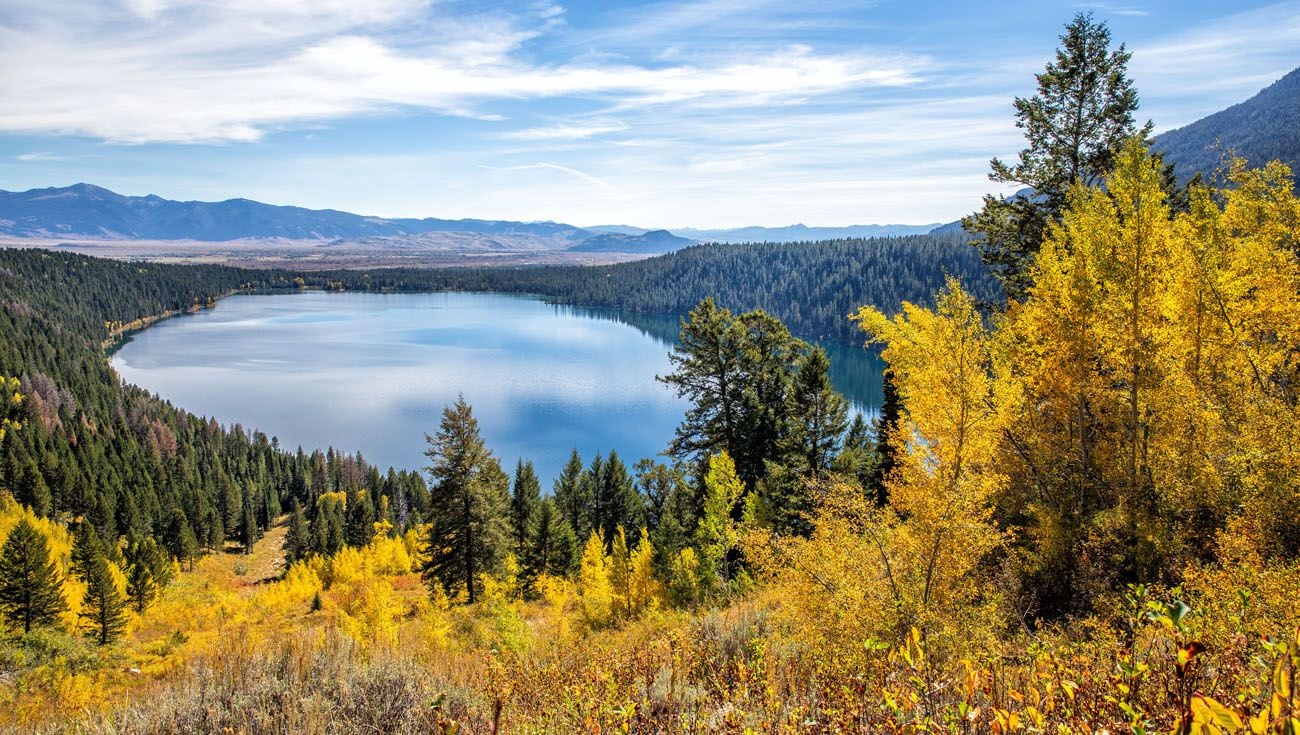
(39, 156)
(1225, 61)
(567, 131)
(206, 71)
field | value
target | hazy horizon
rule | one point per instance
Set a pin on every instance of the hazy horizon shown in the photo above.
(700, 114)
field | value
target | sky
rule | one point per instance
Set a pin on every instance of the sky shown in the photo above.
(674, 113)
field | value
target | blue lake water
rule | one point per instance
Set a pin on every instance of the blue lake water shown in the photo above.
(372, 372)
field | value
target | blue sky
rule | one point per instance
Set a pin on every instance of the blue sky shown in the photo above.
(665, 114)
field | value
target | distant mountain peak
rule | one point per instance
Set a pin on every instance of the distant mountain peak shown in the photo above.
(92, 211)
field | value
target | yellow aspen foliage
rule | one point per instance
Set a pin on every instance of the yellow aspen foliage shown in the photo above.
(507, 578)
(557, 593)
(346, 567)
(10, 400)
(620, 577)
(295, 591)
(1148, 382)
(388, 556)
(947, 471)
(368, 611)
(717, 532)
(433, 626)
(644, 588)
(502, 626)
(686, 585)
(1233, 423)
(595, 592)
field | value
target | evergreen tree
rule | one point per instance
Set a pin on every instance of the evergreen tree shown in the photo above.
(617, 502)
(328, 525)
(249, 533)
(469, 531)
(707, 372)
(552, 548)
(103, 607)
(147, 571)
(818, 417)
(297, 541)
(886, 439)
(361, 519)
(736, 372)
(857, 458)
(30, 588)
(1082, 112)
(571, 498)
(525, 498)
(86, 548)
(768, 356)
(179, 538)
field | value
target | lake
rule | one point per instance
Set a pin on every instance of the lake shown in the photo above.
(372, 372)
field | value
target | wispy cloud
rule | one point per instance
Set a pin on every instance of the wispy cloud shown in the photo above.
(567, 131)
(1113, 9)
(195, 71)
(39, 156)
(1223, 62)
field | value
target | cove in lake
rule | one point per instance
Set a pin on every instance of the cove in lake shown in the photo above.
(372, 372)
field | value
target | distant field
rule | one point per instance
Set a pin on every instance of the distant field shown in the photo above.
(463, 249)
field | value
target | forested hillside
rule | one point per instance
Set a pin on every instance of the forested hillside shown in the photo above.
(1264, 128)
(811, 287)
(129, 463)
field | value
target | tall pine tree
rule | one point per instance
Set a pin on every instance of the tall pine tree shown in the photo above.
(469, 524)
(1082, 112)
(30, 587)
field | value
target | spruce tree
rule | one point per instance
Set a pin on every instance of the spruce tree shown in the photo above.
(818, 417)
(552, 548)
(885, 428)
(103, 607)
(147, 571)
(249, 533)
(1082, 112)
(525, 498)
(86, 548)
(469, 530)
(30, 587)
(179, 538)
(360, 519)
(571, 499)
(297, 541)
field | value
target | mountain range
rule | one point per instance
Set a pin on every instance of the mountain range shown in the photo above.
(1263, 128)
(88, 211)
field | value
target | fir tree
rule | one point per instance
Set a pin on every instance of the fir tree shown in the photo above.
(361, 519)
(818, 417)
(1082, 112)
(103, 607)
(147, 571)
(297, 541)
(179, 537)
(469, 529)
(571, 498)
(552, 548)
(30, 588)
(525, 498)
(886, 439)
(249, 532)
